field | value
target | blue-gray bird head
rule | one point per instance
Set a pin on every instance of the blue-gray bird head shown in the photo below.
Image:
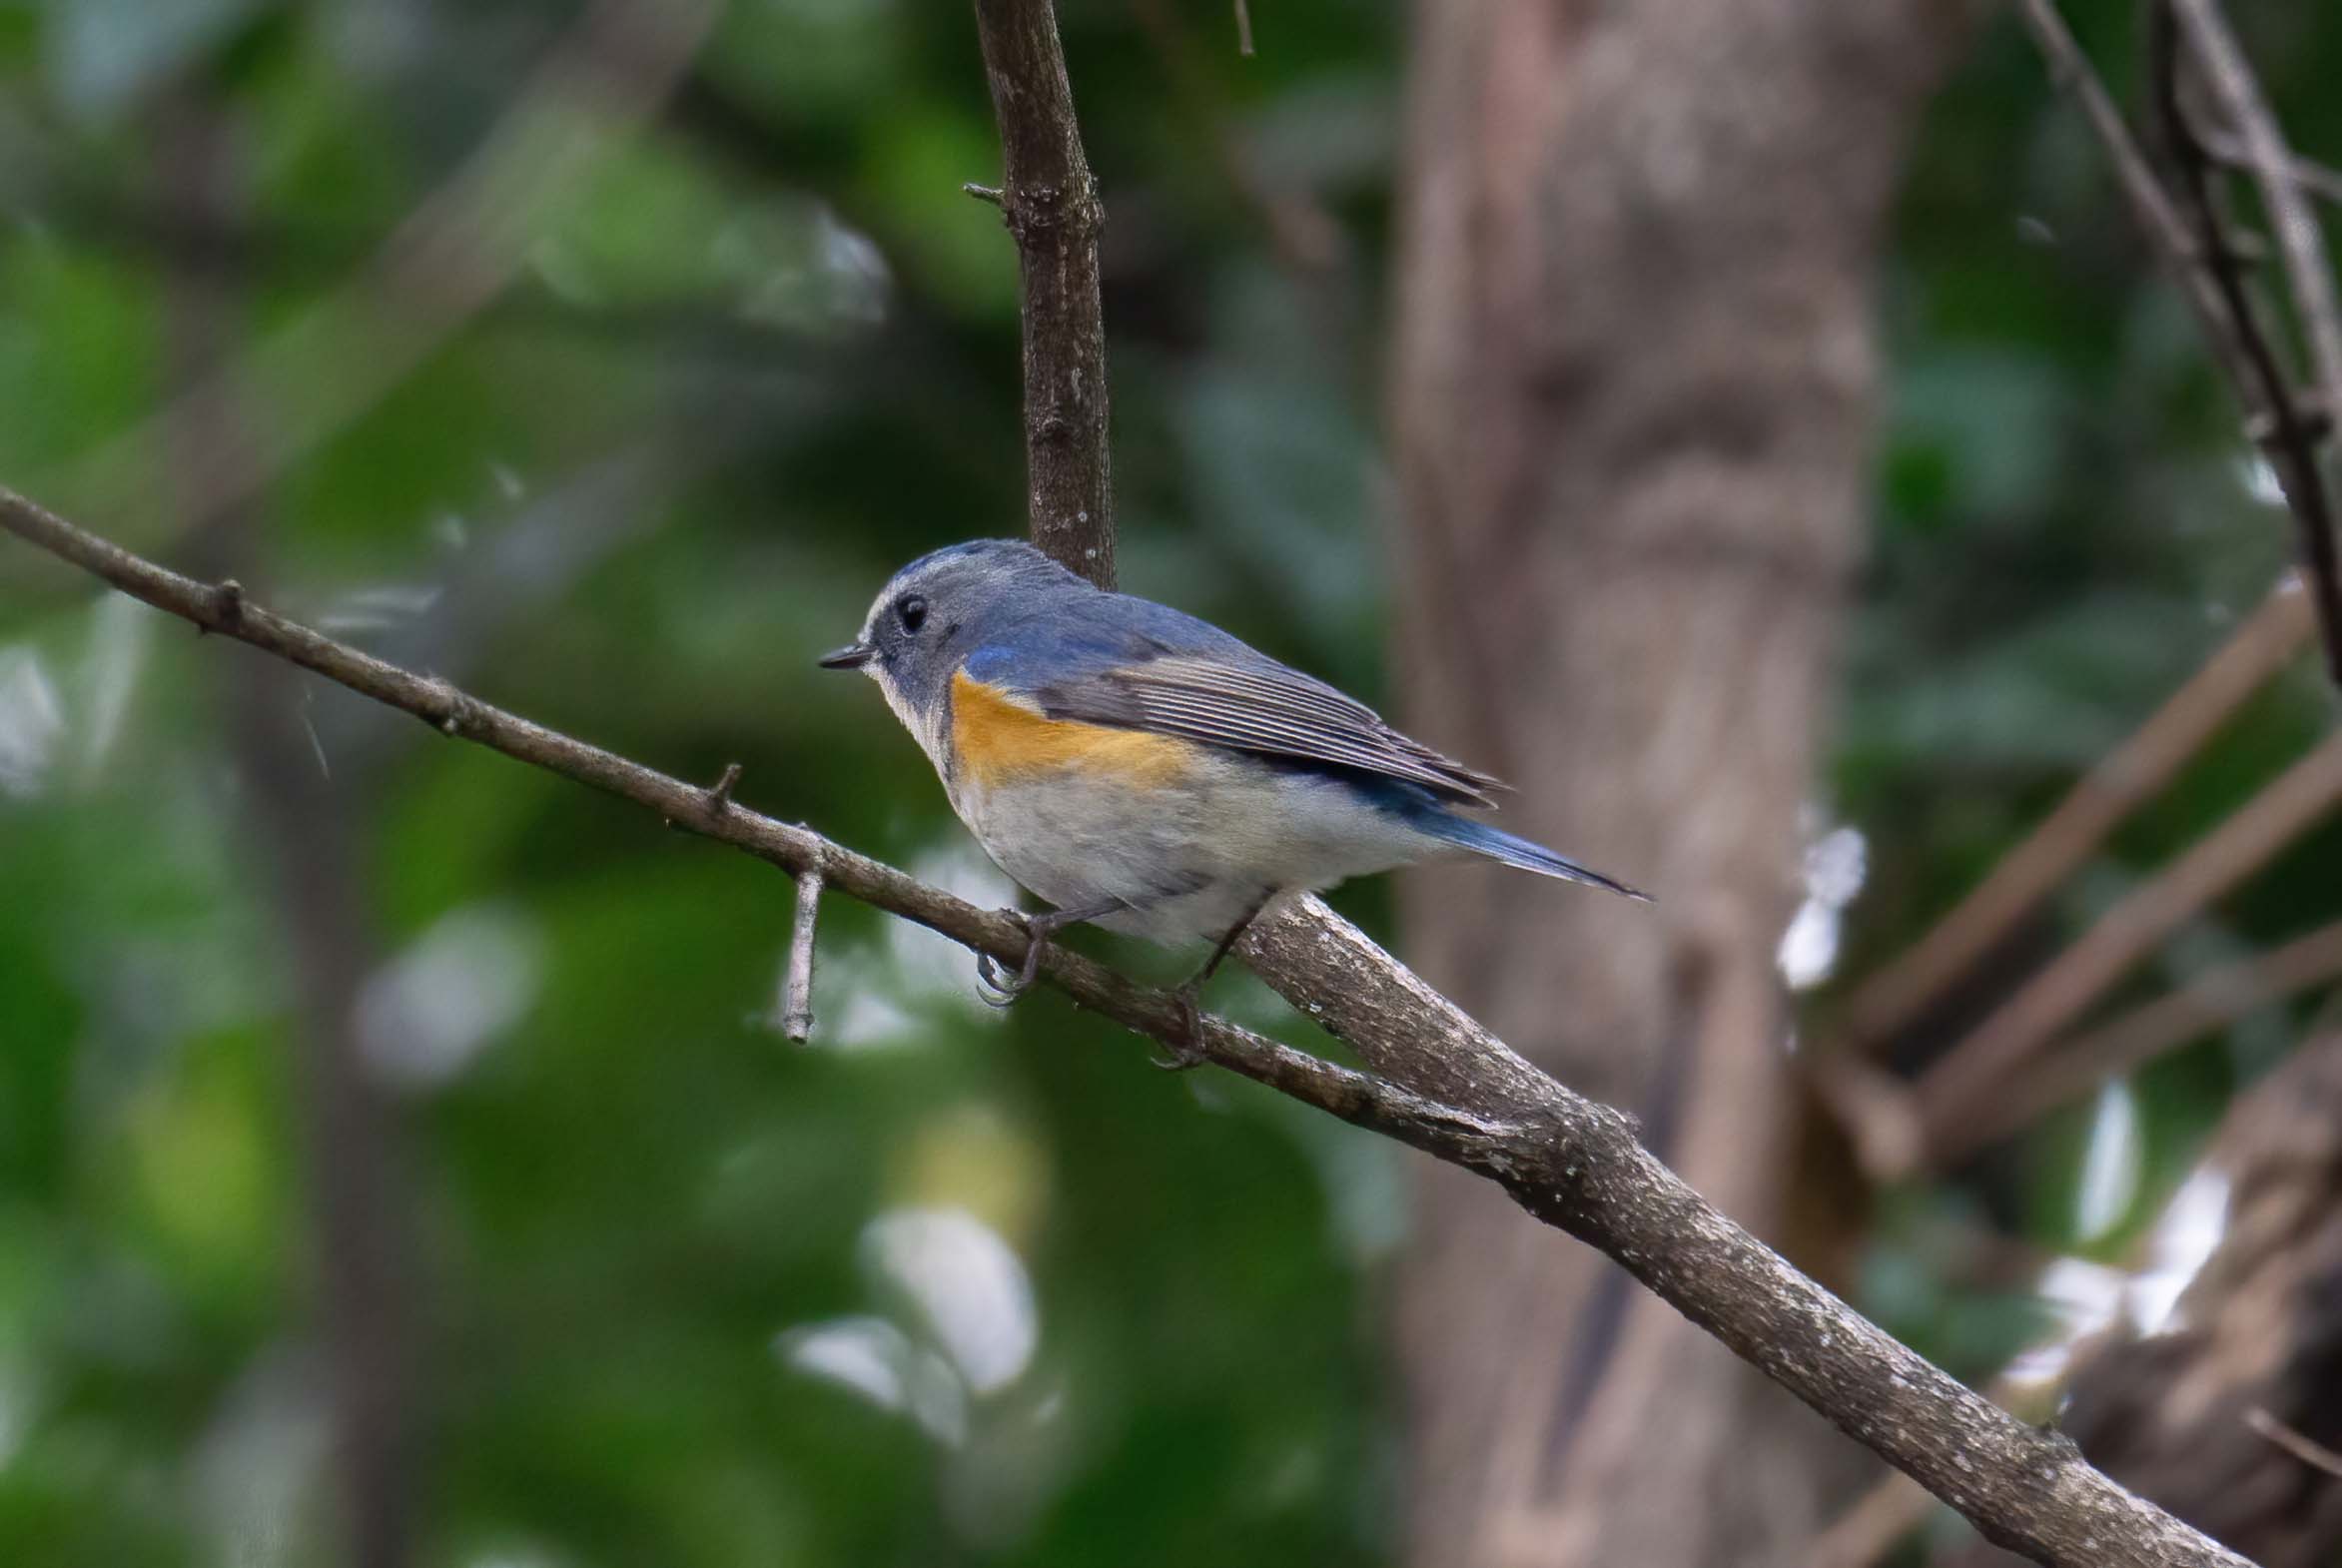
(933, 612)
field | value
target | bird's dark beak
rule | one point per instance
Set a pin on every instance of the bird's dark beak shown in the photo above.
(850, 657)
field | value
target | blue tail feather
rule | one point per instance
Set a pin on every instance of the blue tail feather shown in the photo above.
(1512, 850)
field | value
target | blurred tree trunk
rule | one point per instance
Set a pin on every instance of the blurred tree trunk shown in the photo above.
(1632, 396)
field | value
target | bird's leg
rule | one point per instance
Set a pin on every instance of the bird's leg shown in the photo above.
(1190, 994)
(1002, 990)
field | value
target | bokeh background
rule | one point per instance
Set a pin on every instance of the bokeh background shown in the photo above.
(605, 360)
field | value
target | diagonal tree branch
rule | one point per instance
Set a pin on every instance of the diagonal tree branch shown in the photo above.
(452, 256)
(1573, 1164)
(1964, 1082)
(2215, 1000)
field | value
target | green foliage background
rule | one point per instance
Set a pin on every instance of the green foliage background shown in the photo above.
(947, 1285)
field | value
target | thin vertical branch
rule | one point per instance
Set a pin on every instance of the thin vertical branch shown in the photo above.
(1050, 202)
(2071, 69)
(2295, 434)
(2197, 251)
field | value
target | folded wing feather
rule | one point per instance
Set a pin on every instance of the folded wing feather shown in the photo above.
(1263, 708)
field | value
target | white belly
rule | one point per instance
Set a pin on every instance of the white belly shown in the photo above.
(1188, 860)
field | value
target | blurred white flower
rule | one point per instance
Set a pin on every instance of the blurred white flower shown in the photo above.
(967, 1283)
(31, 722)
(877, 1361)
(423, 1016)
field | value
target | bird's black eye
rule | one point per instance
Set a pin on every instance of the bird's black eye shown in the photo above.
(911, 610)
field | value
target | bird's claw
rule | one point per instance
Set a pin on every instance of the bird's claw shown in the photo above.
(995, 985)
(1182, 1055)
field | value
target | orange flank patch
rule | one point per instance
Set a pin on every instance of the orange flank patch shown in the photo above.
(994, 737)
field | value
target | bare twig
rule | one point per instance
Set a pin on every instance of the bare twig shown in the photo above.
(1244, 28)
(2299, 240)
(2072, 70)
(2277, 417)
(1051, 204)
(1899, 992)
(2208, 1002)
(2312, 1453)
(1976, 1069)
(797, 1006)
(1574, 1164)
(2201, 254)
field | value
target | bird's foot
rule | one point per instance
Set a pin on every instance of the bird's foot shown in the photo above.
(1186, 1051)
(995, 985)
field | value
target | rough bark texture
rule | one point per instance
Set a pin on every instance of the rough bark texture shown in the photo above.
(1051, 204)
(1632, 396)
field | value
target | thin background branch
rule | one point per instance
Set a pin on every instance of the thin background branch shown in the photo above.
(2308, 270)
(1896, 993)
(2225, 996)
(1965, 1080)
(2289, 428)
(449, 260)
(2195, 246)
(2314, 1454)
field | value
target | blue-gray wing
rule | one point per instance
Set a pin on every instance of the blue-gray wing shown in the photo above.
(1255, 704)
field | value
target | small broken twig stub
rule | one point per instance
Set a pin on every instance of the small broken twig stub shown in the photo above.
(2310, 1452)
(719, 794)
(797, 994)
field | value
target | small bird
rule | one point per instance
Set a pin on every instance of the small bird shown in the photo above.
(1142, 770)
